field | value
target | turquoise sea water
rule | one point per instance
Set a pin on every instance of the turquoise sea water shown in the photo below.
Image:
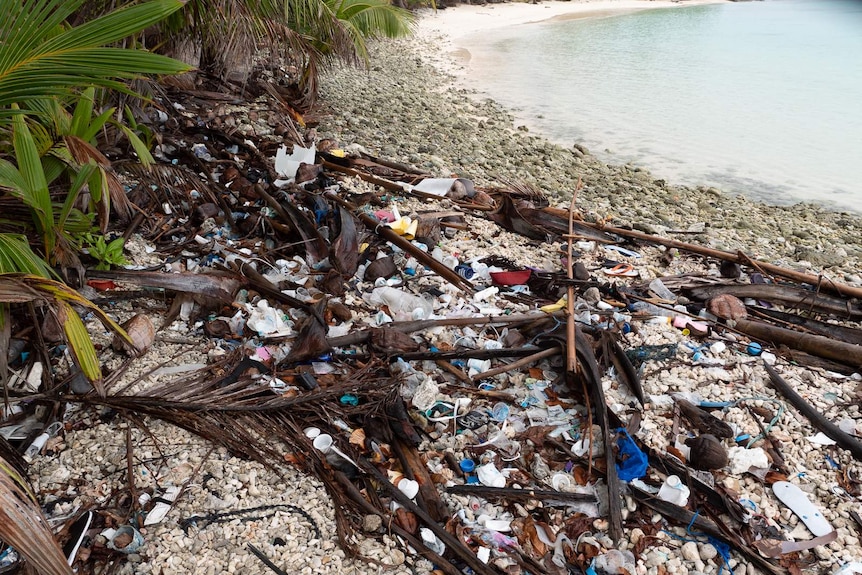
(760, 98)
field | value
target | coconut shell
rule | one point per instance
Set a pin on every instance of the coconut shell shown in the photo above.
(727, 306)
(141, 331)
(706, 453)
(380, 268)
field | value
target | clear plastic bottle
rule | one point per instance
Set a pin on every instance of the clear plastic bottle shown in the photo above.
(401, 303)
(651, 309)
(657, 287)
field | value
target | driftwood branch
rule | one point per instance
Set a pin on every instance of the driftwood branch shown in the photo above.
(738, 257)
(846, 353)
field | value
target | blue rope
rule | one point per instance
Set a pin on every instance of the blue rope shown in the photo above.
(720, 546)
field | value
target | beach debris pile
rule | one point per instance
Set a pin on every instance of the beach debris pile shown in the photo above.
(501, 385)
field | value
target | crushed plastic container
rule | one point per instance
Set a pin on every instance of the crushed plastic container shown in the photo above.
(657, 287)
(674, 491)
(401, 303)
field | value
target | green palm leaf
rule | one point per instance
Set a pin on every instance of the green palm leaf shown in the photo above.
(41, 57)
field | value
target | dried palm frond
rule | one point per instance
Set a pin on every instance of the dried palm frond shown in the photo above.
(59, 298)
(526, 191)
(166, 176)
(83, 152)
(23, 526)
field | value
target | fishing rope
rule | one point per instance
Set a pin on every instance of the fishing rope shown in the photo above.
(721, 547)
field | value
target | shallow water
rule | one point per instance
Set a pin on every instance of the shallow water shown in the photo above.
(759, 98)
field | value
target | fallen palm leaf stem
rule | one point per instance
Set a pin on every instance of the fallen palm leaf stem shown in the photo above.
(354, 494)
(387, 185)
(219, 286)
(414, 468)
(737, 257)
(832, 431)
(452, 543)
(625, 370)
(521, 494)
(845, 334)
(457, 354)
(423, 324)
(256, 280)
(593, 381)
(669, 465)
(846, 353)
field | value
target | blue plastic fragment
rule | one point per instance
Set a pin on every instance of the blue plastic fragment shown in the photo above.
(714, 404)
(634, 462)
(349, 399)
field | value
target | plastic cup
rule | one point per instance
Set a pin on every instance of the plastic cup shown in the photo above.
(311, 432)
(323, 443)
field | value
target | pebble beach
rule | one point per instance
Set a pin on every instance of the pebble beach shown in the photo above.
(415, 105)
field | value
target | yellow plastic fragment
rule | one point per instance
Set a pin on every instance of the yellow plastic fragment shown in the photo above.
(406, 227)
(551, 308)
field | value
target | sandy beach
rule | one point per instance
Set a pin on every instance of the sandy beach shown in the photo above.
(461, 22)
(458, 29)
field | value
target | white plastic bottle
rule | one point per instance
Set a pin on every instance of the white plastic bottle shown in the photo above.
(674, 491)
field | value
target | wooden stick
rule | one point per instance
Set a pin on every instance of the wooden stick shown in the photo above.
(550, 352)
(571, 349)
(419, 325)
(414, 468)
(391, 236)
(520, 494)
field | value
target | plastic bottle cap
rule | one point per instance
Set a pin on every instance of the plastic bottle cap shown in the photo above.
(754, 348)
(467, 465)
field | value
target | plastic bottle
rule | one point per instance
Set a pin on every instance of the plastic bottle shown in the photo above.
(657, 287)
(401, 302)
(651, 309)
(674, 491)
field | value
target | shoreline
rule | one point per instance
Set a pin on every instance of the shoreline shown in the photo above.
(454, 26)
(464, 20)
(473, 57)
(413, 106)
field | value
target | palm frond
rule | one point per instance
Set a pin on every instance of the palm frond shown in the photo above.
(16, 256)
(23, 526)
(40, 58)
(20, 288)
